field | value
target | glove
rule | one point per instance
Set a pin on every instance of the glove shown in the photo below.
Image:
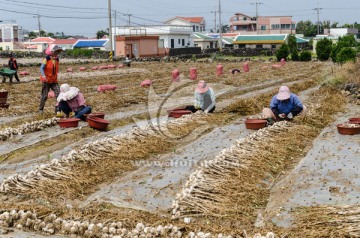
(197, 107)
(206, 111)
(60, 114)
(43, 79)
(290, 116)
(71, 114)
(282, 115)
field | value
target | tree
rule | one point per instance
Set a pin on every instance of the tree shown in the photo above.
(323, 49)
(307, 28)
(305, 55)
(282, 52)
(295, 55)
(225, 28)
(42, 33)
(346, 54)
(292, 43)
(50, 34)
(345, 41)
(101, 33)
(32, 35)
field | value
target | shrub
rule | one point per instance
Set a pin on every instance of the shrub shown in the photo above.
(283, 52)
(345, 41)
(323, 49)
(346, 54)
(305, 55)
(295, 55)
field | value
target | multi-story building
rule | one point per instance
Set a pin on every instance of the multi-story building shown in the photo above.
(248, 25)
(10, 32)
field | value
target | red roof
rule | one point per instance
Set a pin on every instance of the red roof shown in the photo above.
(65, 41)
(192, 19)
(43, 39)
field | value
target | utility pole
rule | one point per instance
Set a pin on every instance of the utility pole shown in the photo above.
(215, 19)
(39, 26)
(129, 15)
(115, 34)
(111, 57)
(220, 27)
(257, 15)
(318, 19)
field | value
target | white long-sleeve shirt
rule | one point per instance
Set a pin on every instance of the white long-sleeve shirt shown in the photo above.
(206, 101)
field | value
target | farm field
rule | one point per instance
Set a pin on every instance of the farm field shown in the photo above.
(201, 175)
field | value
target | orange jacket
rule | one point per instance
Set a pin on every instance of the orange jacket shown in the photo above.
(51, 70)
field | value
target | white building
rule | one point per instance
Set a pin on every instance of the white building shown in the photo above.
(339, 32)
(197, 23)
(10, 32)
(170, 36)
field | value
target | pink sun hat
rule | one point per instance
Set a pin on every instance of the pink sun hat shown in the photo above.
(67, 93)
(284, 93)
(202, 87)
(53, 49)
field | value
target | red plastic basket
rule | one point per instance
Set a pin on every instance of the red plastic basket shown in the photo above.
(346, 130)
(255, 124)
(98, 123)
(69, 122)
(176, 113)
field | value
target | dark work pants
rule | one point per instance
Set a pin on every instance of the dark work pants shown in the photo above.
(64, 107)
(193, 109)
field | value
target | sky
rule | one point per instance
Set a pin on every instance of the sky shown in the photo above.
(86, 17)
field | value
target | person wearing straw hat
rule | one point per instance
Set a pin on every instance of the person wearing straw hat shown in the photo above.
(283, 106)
(204, 98)
(72, 102)
(49, 70)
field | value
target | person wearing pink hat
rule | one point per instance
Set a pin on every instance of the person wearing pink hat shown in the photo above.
(283, 106)
(49, 70)
(72, 101)
(204, 98)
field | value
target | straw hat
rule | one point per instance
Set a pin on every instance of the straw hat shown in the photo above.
(67, 93)
(202, 87)
(284, 93)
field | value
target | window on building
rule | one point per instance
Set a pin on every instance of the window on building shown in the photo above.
(183, 42)
(275, 26)
(263, 28)
(244, 28)
(273, 46)
(293, 26)
(179, 41)
(7, 47)
(241, 46)
(195, 45)
(193, 28)
(285, 26)
(259, 46)
(197, 28)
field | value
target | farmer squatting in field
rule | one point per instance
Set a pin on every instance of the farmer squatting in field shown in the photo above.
(283, 106)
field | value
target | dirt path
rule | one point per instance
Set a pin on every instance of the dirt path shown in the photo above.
(328, 175)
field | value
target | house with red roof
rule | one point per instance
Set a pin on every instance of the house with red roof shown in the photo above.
(197, 23)
(38, 44)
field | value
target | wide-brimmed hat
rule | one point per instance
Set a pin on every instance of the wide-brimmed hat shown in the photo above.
(202, 87)
(284, 93)
(67, 92)
(53, 49)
